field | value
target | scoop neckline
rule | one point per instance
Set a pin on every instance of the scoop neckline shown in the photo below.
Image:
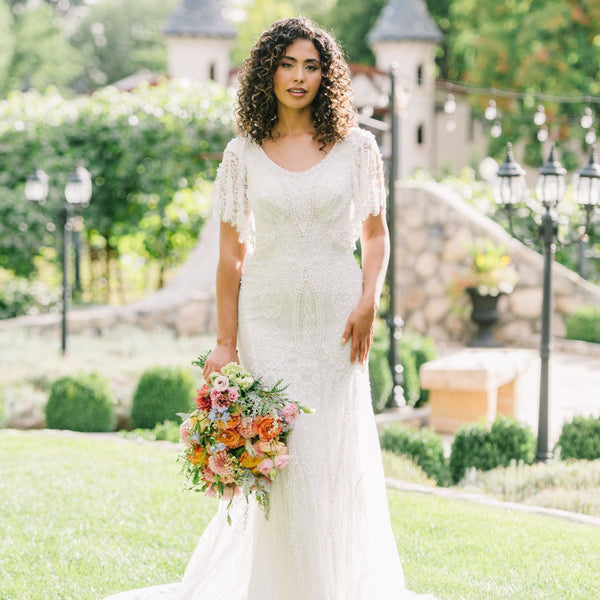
(303, 171)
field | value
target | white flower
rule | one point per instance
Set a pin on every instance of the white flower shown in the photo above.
(221, 383)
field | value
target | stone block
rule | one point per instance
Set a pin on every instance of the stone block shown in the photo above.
(426, 265)
(526, 302)
(435, 310)
(414, 299)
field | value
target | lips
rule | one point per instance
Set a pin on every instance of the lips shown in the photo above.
(297, 92)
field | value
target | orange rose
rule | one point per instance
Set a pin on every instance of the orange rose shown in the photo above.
(269, 428)
(231, 423)
(231, 438)
(249, 462)
(199, 456)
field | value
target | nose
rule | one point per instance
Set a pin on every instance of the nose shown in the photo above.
(299, 73)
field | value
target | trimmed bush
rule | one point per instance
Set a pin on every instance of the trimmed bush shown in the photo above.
(161, 393)
(415, 350)
(423, 446)
(580, 439)
(82, 403)
(476, 446)
(380, 375)
(585, 324)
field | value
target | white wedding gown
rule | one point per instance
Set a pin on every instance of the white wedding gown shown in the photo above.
(328, 536)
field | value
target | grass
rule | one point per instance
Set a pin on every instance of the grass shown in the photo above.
(85, 516)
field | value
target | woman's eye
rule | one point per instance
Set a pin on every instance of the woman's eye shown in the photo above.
(285, 65)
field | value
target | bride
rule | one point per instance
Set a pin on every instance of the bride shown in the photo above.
(296, 189)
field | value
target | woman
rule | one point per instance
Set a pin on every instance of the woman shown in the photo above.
(294, 192)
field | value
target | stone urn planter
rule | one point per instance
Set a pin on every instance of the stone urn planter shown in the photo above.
(485, 315)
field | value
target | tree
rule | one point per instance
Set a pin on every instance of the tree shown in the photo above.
(120, 38)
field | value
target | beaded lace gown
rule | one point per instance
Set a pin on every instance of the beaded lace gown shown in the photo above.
(328, 536)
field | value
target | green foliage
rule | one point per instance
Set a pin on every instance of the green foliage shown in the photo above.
(415, 350)
(147, 155)
(161, 393)
(21, 296)
(82, 403)
(585, 324)
(424, 446)
(165, 431)
(477, 446)
(380, 375)
(543, 46)
(404, 469)
(119, 38)
(580, 439)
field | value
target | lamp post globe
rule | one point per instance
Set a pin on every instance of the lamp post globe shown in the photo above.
(79, 187)
(587, 189)
(550, 186)
(36, 186)
(509, 186)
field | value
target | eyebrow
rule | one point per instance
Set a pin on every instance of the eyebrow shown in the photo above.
(311, 60)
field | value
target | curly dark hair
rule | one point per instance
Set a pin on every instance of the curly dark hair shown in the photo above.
(256, 111)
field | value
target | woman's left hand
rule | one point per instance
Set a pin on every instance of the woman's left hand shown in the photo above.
(359, 328)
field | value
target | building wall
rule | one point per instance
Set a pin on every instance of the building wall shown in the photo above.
(198, 58)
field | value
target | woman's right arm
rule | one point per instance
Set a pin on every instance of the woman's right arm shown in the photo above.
(229, 272)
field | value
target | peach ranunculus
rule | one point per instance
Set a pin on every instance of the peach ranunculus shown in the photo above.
(265, 466)
(247, 427)
(202, 400)
(208, 475)
(272, 447)
(249, 462)
(269, 428)
(231, 438)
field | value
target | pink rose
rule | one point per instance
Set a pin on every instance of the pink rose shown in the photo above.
(265, 467)
(221, 383)
(233, 393)
(184, 433)
(257, 451)
(281, 461)
(290, 413)
(219, 399)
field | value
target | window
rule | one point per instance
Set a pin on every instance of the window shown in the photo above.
(420, 135)
(211, 73)
(420, 75)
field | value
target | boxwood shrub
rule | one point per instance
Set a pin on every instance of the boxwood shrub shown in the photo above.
(423, 446)
(585, 324)
(481, 447)
(81, 403)
(580, 439)
(414, 350)
(161, 393)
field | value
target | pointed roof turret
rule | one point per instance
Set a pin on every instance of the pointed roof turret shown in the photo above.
(405, 20)
(201, 18)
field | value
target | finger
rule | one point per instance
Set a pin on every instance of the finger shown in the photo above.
(347, 332)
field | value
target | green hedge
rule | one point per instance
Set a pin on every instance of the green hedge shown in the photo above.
(161, 393)
(477, 446)
(82, 403)
(413, 351)
(580, 439)
(585, 324)
(423, 446)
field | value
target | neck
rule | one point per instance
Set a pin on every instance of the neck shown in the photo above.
(292, 122)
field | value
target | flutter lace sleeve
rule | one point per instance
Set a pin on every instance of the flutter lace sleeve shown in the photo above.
(230, 201)
(369, 184)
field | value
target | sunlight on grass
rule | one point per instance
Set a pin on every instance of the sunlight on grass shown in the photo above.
(91, 515)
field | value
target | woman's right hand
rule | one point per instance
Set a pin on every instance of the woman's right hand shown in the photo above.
(221, 355)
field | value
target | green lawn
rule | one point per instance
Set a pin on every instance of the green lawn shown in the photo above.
(83, 516)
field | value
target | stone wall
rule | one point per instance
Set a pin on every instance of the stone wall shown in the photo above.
(434, 229)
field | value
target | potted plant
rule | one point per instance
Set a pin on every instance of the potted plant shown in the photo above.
(489, 275)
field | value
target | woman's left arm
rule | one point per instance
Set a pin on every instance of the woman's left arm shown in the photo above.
(375, 244)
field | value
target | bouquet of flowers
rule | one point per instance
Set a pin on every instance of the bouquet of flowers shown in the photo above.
(235, 441)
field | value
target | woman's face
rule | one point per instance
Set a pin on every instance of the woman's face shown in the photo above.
(298, 76)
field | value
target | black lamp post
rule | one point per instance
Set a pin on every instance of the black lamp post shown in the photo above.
(78, 191)
(509, 192)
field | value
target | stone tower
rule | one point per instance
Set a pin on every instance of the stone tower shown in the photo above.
(406, 34)
(198, 41)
